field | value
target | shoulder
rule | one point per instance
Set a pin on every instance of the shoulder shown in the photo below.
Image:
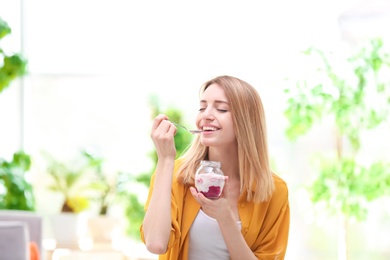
(281, 189)
(178, 163)
(279, 182)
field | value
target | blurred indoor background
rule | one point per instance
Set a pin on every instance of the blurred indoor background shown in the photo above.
(94, 64)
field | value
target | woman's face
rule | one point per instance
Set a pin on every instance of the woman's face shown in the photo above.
(215, 118)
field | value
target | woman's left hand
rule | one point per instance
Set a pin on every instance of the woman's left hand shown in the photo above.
(217, 209)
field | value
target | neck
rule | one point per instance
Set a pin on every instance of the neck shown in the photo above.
(228, 159)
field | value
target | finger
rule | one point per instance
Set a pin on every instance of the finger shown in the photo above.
(163, 128)
(193, 191)
(158, 119)
(198, 196)
(172, 129)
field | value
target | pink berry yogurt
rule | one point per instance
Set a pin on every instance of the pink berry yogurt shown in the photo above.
(210, 184)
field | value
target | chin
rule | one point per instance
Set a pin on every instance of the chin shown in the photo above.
(206, 142)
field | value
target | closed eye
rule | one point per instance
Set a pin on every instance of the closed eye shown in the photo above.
(220, 110)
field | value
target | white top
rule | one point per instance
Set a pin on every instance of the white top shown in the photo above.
(206, 240)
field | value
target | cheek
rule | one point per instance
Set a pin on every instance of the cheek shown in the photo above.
(228, 126)
(231, 134)
(231, 130)
(229, 121)
(197, 120)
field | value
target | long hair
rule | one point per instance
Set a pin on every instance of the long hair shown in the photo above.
(250, 130)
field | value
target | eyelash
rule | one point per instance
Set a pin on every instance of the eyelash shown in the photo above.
(220, 110)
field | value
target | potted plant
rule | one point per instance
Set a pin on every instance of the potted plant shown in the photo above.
(68, 179)
(356, 100)
(103, 186)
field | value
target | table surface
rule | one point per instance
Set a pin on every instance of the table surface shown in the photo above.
(102, 251)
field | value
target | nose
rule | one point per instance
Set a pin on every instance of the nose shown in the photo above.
(208, 114)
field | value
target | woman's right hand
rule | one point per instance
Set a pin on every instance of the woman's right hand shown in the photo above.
(163, 132)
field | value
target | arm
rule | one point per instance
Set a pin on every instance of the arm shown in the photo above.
(235, 242)
(157, 221)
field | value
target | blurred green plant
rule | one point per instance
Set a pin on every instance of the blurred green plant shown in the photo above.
(69, 179)
(103, 185)
(13, 65)
(357, 100)
(134, 207)
(16, 192)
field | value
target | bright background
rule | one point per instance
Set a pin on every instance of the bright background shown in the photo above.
(93, 65)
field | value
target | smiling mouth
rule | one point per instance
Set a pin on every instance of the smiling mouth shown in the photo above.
(209, 129)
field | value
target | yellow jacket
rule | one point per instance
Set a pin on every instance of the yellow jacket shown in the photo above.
(265, 226)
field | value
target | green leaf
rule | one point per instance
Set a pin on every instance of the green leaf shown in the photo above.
(17, 191)
(4, 28)
(13, 65)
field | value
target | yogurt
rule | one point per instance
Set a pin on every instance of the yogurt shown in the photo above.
(210, 184)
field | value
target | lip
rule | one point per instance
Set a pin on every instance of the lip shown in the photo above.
(212, 126)
(210, 132)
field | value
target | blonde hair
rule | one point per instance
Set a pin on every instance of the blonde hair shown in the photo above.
(250, 129)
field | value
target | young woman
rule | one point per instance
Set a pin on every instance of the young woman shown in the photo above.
(251, 218)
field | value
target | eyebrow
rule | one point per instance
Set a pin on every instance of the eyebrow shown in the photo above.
(216, 101)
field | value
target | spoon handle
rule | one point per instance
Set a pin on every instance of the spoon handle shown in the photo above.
(191, 131)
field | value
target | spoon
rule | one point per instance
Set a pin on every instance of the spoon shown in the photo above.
(197, 131)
